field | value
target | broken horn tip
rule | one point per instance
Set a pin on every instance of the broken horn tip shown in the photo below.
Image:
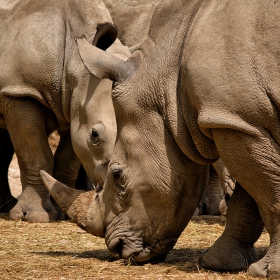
(43, 173)
(45, 176)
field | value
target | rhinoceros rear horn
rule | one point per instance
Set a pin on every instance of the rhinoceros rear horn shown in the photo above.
(100, 63)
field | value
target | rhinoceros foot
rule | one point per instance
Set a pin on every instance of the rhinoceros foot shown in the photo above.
(268, 266)
(228, 254)
(32, 208)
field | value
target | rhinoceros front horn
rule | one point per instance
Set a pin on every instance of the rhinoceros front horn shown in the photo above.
(100, 63)
(79, 205)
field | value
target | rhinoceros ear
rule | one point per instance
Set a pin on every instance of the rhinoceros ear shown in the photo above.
(100, 63)
(105, 36)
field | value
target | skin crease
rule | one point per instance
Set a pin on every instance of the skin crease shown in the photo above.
(112, 203)
(211, 93)
(95, 112)
(97, 109)
(41, 86)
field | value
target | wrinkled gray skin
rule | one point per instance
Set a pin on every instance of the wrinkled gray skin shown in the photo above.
(161, 159)
(43, 85)
(132, 19)
(211, 80)
(211, 90)
(93, 128)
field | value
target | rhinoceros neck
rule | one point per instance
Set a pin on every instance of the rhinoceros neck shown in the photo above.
(167, 35)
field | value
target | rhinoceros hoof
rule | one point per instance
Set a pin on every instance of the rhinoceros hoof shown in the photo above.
(227, 255)
(34, 213)
(265, 268)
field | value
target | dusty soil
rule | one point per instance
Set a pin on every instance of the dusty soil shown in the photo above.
(61, 250)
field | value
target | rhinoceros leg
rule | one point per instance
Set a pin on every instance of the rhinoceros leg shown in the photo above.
(7, 201)
(234, 249)
(66, 166)
(26, 122)
(209, 204)
(253, 158)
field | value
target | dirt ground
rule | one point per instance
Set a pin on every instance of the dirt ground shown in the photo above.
(63, 251)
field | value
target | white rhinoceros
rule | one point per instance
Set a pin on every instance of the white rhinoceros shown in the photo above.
(203, 84)
(43, 85)
(94, 125)
(132, 20)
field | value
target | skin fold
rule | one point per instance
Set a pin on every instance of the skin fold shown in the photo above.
(41, 86)
(160, 166)
(211, 85)
(90, 134)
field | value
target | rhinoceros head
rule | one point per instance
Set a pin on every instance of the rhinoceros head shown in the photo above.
(93, 123)
(152, 187)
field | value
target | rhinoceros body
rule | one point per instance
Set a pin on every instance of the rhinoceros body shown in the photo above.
(132, 21)
(211, 84)
(42, 83)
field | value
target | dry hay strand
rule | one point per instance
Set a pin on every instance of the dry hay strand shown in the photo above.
(62, 250)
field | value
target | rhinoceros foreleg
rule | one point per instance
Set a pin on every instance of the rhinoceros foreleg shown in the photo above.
(258, 151)
(7, 201)
(26, 122)
(234, 249)
(66, 165)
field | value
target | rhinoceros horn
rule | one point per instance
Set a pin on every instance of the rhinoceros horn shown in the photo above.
(100, 63)
(79, 205)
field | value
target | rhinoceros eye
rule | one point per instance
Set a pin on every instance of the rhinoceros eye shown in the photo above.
(94, 133)
(119, 180)
(117, 173)
(97, 135)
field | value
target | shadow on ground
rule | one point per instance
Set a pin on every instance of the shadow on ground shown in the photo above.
(184, 259)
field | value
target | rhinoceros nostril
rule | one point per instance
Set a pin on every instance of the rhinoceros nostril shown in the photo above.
(119, 248)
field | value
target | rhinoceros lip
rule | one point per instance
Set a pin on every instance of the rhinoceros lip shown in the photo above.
(125, 244)
(124, 248)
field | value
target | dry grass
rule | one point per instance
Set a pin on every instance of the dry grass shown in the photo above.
(63, 251)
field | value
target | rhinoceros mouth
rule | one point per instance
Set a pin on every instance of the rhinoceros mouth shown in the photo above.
(120, 249)
(130, 247)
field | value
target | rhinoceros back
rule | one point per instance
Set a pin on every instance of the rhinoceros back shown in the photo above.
(38, 54)
(32, 53)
